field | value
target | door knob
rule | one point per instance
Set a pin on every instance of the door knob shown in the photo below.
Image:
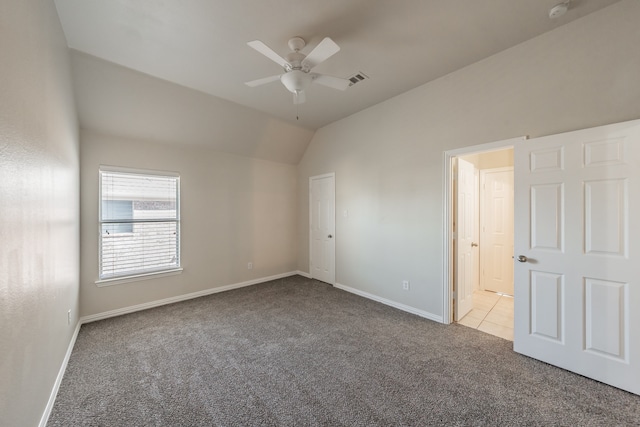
(522, 258)
(330, 236)
(474, 244)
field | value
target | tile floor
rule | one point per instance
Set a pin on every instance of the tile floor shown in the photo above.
(492, 313)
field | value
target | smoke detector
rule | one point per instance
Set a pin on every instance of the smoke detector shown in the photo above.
(558, 10)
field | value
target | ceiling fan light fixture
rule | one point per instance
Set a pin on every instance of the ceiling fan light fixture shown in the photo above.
(297, 66)
(296, 81)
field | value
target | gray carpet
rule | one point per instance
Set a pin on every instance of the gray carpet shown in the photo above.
(297, 352)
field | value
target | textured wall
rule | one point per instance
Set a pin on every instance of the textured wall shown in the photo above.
(234, 210)
(39, 213)
(388, 159)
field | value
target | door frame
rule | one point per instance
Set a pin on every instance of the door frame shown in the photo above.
(311, 179)
(447, 217)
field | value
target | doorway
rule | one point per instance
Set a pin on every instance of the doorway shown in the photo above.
(576, 284)
(480, 237)
(491, 302)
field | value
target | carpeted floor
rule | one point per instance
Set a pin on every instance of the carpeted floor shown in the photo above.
(297, 352)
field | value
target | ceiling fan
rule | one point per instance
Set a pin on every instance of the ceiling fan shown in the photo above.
(297, 67)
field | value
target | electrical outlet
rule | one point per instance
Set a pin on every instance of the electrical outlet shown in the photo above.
(249, 266)
(69, 317)
(405, 285)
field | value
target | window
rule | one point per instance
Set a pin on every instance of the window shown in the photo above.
(117, 210)
(139, 223)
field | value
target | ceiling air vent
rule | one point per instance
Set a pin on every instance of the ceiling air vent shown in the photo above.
(357, 78)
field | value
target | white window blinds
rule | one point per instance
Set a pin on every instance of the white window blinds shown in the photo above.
(139, 223)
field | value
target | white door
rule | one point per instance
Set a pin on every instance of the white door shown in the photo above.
(496, 237)
(466, 248)
(577, 292)
(322, 222)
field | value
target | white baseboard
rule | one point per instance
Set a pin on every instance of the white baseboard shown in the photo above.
(56, 384)
(390, 303)
(303, 274)
(171, 300)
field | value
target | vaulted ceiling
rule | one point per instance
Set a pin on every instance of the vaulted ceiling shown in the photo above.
(399, 44)
(202, 44)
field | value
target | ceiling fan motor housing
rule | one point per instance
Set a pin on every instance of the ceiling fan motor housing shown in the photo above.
(296, 44)
(295, 61)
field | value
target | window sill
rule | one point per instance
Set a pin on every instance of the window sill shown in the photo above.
(137, 277)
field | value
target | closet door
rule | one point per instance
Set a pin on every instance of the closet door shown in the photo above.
(496, 237)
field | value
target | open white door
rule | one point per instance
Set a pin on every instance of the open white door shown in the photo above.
(466, 248)
(322, 224)
(577, 285)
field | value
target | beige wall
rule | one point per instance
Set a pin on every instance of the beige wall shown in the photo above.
(39, 219)
(388, 159)
(234, 210)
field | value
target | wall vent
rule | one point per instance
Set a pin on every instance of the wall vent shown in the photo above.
(357, 78)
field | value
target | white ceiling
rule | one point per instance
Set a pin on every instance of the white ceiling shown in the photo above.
(399, 44)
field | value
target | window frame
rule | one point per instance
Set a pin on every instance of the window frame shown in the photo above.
(108, 280)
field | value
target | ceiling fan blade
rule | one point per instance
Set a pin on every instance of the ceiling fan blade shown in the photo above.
(268, 52)
(299, 98)
(332, 82)
(265, 80)
(320, 53)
